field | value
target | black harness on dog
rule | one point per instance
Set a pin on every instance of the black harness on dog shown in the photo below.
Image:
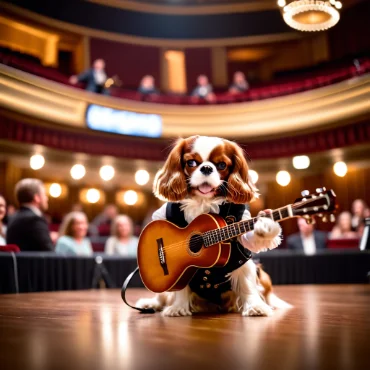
(211, 283)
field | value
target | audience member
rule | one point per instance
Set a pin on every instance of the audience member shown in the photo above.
(10, 212)
(104, 220)
(359, 212)
(204, 89)
(2, 215)
(307, 239)
(28, 228)
(343, 227)
(95, 78)
(72, 235)
(147, 86)
(240, 84)
(122, 241)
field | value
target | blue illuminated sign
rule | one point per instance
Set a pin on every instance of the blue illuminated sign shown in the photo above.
(123, 122)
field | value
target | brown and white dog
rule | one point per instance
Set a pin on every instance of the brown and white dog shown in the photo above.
(201, 173)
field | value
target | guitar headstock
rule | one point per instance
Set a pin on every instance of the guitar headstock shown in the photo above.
(321, 203)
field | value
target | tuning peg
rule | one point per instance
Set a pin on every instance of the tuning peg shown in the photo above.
(332, 218)
(309, 220)
(325, 218)
(304, 193)
(320, 190)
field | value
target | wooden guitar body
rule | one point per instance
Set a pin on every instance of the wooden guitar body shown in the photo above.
(169, 256)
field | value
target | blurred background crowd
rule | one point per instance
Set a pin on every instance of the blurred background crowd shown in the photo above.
(30, 228)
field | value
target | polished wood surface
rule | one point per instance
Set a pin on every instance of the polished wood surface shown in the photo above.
(327, 329)
(174, 268)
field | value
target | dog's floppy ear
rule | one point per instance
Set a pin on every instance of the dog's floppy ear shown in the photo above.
(240, 187)
(170, 181)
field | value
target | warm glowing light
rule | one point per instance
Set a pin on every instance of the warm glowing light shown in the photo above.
(253, 176)
(78, 171)
(340, 169)
(55, 190)
(332, 2)
(300, 162)
(107, 172)
(142, 177)
(283, 178)
(37, 161)
(281, 3)
(130, 197)
(93, 195)
(311, 15)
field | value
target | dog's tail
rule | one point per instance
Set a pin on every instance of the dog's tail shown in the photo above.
(274, 301)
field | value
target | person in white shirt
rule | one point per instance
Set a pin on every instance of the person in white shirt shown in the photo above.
(204, 89)
(122, 241)
(360, 211)
(307, 239)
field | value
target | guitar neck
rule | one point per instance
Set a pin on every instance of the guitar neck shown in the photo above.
(238, 228)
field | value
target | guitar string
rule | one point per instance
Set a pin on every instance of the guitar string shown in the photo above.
(214, 233)
(227, 229)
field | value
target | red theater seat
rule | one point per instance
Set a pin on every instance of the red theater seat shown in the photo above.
(9, 248)
(97, 246)
(343, 243)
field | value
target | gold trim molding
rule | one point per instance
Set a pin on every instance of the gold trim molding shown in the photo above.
(148, 41)
(43, 99)
(226, 8)
(32, 40)
(201, 9)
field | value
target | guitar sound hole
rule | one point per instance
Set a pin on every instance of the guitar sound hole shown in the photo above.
(195, 243)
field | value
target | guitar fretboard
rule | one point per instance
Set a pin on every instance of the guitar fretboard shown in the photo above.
(238, 228)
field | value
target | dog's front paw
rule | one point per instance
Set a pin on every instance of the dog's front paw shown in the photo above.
(266, 228)
(149, 303)
(175, 311)
(256, 307)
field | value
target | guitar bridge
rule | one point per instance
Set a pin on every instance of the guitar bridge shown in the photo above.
(162, 256)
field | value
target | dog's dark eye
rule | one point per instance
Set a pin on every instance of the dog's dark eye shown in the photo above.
(221, 165)
(192, 163)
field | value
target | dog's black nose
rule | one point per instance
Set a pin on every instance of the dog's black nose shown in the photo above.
(206, 170)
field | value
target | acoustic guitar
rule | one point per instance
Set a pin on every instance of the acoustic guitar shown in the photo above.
(169, 256)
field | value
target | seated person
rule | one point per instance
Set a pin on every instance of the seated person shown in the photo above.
(122, 242)
(95, 78)
(10, 212)
(359, 211)
(28, 228)
(147, 86)
(343, 228)
(307, 239)
(240, 84)
(204, 90)
(2, 215)
(103, 221)
(72, 235)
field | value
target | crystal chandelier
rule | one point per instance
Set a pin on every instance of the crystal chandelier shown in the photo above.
(310, 15)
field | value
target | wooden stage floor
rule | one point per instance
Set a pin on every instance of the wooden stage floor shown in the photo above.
(329, 328)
